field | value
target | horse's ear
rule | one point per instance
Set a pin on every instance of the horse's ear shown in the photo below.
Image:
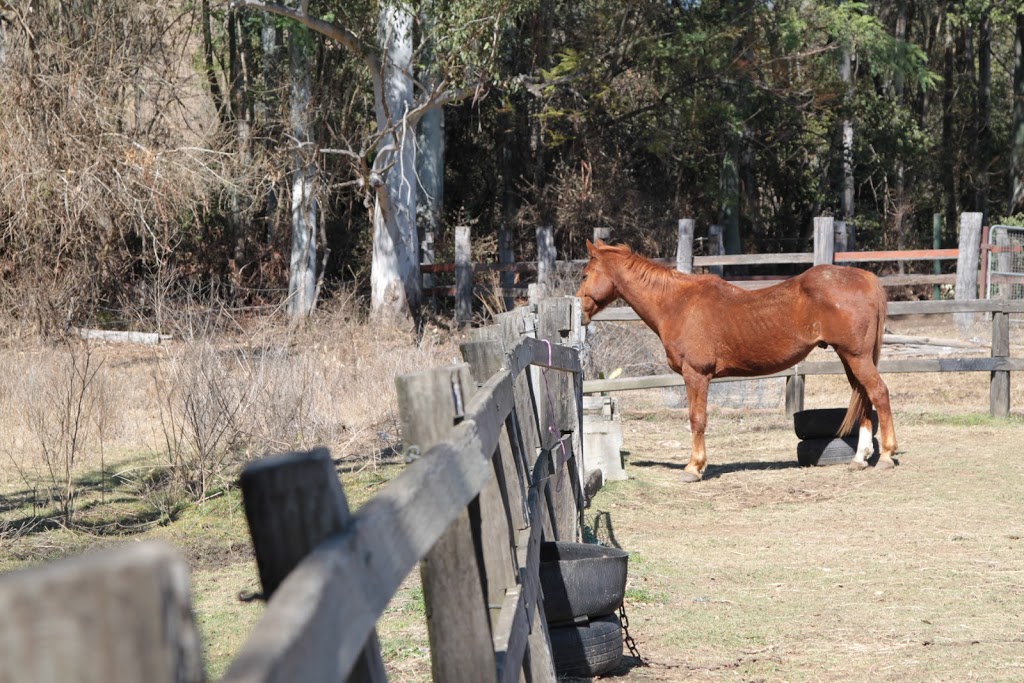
(592, 248)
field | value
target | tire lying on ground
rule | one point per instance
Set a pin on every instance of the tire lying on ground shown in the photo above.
(588, 649)
(823, 452)
(823, 423)
(581, 579)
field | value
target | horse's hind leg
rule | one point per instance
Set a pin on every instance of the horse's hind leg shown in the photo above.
(866, 374)
(860, 402)
(697, 396)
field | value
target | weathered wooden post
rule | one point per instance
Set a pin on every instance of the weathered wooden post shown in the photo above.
(937, 244)
(795, 392)
(545, 254)
(824, 240)
(967, 265)
(999, 387)
(427, 258)
(118, 616)
(716, 247)
(684, 246)
(841, 238)
(294, 502)
(602, 234)
(463, 276)
(458, 621)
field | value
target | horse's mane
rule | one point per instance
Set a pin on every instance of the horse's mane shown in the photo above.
(647, 272)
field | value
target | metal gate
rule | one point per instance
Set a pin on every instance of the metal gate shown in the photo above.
(1004, 262)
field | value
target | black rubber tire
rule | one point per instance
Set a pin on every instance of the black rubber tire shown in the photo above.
(581, 579)
(821, 452)
(589, 649)
(823, 423)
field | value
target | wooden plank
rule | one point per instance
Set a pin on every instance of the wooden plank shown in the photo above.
(546, 254)
(485, 360)
(904, 255)
(118, 616)
(917, 279)
(454, 587)
(539, 664)
(510, 636)
(346, 583)
(999, 387)
(908, 365)
(293, 502)
(627, 314)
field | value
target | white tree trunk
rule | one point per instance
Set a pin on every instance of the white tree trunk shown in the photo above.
(429, 154)
(394, 274)
(302, 273)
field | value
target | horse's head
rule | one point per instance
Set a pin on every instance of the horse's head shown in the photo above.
(597, 289)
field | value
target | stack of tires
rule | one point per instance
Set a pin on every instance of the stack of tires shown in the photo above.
(584, 585)
(819, 445)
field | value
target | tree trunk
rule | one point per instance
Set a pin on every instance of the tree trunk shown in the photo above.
(847, 194)
(302, 273)
(394, 273)
(948, 139)
(984, 149)
(430, 156)
(1016, 204)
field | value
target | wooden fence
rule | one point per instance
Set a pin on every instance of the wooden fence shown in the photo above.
(832, 243)
(496, 450)
(1000, 364)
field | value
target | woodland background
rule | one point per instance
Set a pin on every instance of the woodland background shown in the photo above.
(275, 155)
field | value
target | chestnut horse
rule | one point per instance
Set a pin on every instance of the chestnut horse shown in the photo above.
(711, 328)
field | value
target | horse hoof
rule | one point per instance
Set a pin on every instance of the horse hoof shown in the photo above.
(885, 464)
(690, 477)
(857, 466)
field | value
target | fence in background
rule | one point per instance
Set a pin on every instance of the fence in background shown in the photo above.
(1000, 364)
(833, 242)
(496, 449)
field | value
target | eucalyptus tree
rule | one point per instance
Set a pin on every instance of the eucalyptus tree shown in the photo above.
(383, 37)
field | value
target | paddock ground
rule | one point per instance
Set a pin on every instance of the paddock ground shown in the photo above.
(766, 571)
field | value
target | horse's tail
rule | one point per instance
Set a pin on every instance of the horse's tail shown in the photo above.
(857, 409)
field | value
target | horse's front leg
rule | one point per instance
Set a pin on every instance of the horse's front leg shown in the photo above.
(697, 395)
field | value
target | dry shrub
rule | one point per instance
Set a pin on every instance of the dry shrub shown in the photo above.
(101, 152)
(64, 410)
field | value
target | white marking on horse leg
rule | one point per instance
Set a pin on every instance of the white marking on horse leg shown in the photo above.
(865, 447)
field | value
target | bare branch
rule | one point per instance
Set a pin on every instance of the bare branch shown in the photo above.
(336, 33)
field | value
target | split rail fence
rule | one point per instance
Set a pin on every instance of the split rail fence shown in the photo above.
(1000, 364)
(833, 242)
(496, 449)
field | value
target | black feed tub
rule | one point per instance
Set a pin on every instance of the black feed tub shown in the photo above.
(581, 580)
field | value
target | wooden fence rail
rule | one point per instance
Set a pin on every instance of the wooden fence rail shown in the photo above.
(829, 246)
(496, 467)
(1000, 364)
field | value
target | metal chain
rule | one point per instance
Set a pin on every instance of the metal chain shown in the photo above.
(628, 639)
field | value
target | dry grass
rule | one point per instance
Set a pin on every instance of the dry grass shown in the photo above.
(764, 571)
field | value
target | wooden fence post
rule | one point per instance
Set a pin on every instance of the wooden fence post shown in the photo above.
(967, 265)
(293, 502)
(794, 394)
(841, 239)
(824, 240)
(936, 244)
(999, 387)
(602, 234)
(463, 276)
(458, 621)
(716, 247)
(427, 257)
(545, 254)
(684, 246)
(118, 616)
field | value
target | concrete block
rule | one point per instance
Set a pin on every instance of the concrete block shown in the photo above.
(602, 437)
